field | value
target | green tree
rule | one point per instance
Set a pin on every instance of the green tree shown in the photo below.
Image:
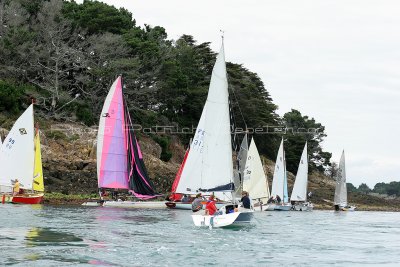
(10, 96)
(364, 188)
(300, 129)
(351, 187)
(98, 17)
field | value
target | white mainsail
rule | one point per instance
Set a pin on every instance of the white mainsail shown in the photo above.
(17, 152)
(279, 181)
(341, 188)
(255, 182)
(209, 163)
(299, 192)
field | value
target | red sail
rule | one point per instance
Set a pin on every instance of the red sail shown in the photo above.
(175, 196)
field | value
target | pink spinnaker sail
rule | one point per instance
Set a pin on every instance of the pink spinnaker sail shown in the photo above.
(112, 171)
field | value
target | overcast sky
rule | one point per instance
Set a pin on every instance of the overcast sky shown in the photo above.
(337, 61)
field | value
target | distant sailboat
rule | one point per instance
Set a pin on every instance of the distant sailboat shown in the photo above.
(254, 181)
(341, 188)
(120, 162)
(209, 167)
(279, 183)
(21, 159)
(241, 165)
(299, 192)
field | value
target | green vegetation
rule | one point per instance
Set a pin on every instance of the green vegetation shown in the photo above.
(390, 189)
(61, 196)
(164, 142)
(10, 96)
(56, 135)
(70, 54)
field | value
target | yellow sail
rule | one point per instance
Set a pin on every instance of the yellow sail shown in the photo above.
(38, 184)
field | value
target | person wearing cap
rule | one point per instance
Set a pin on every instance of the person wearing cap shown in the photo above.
(211, 208)
(245, 200)
(196, 204)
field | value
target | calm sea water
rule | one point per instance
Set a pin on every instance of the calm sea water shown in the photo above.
(87, 236)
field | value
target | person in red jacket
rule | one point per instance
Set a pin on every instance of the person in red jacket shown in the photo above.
(211, 208)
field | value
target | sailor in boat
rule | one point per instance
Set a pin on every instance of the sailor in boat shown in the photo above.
(16, 187)
(271, 200)
(278, 199)
(185, 198)
(211, 208)
(245, 200)
(196, 204)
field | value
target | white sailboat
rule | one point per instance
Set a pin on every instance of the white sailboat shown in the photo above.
(209, 166)
(299, 192)
(341, 188)
(279, 183)
(18, 160)
(254, 181)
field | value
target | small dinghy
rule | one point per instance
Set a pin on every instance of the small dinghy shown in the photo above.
(225, 216)
(21, 161)
(279, 184)
(341, 188)
(299, 192)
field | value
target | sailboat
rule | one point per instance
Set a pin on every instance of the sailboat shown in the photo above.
(209, 167)
(254, 180)
(341, 188)
(21, 159)
(279, 183)
(175, 198)
(299, 192)
(120, 162)
(241, 166)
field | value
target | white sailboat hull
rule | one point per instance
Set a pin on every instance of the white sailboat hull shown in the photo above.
(305, 206)
(279, 207)
(262, 207)
(236, 218)
(128, 204)
(187, 205)
(347, 208)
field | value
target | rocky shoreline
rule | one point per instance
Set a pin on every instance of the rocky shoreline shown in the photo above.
(69, 162)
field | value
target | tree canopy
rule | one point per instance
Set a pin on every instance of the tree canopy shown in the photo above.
(65, 55)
